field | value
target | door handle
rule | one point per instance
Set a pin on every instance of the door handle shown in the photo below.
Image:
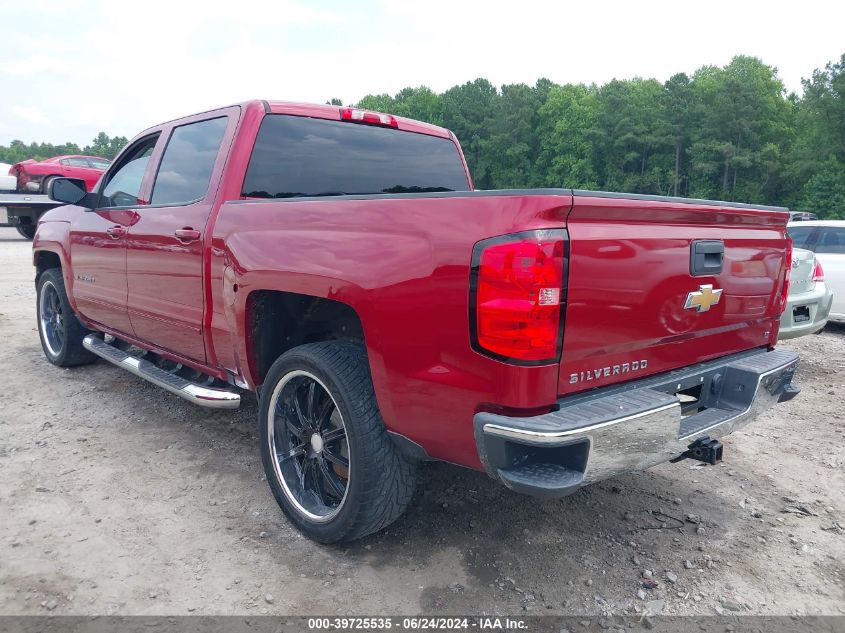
(187, 235)
(116, 232)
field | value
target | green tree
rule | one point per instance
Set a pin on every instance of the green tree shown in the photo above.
(105, 146)
(566, 129)
(824, 192)
(468, 112)
(512, 135)
(678, 108)
(420, 103)
(816, 160)
(741, 112)
(379, 103)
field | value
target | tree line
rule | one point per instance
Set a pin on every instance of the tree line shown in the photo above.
(730, 133)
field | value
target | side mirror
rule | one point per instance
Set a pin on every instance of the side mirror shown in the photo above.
(67, 190)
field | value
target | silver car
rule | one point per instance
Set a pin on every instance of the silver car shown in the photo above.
(809, 300)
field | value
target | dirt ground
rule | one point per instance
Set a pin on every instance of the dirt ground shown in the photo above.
(118, 498)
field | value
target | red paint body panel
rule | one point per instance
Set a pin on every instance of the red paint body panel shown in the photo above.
(403, 264)
(29, 169)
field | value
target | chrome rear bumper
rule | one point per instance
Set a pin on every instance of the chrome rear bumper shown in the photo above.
(634, 426)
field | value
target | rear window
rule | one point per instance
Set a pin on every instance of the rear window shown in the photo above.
(300, 156)
(800, 235)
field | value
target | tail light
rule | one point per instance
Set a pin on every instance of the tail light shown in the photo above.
(365, 116)
(818, 272)
(518, 296)
(785, 290)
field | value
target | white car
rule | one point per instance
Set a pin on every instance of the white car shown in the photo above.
(7, 183)
(826, 238)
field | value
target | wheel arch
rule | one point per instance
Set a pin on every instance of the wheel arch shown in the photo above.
(44, 259)
(276, 321)
(48, 251)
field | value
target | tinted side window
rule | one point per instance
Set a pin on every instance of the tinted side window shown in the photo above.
(832, 240)
(185, 169)
(800, 235)
(76, 162)
(99, 163)
(300, 156)
(124, 182)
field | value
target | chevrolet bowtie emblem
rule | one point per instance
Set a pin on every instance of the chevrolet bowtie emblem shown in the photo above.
(703, 298)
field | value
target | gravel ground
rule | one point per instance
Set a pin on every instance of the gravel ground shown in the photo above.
(118, 498)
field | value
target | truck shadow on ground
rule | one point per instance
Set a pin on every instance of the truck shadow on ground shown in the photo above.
(559, 553)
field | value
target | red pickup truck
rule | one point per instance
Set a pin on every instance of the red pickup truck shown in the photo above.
(338, 262)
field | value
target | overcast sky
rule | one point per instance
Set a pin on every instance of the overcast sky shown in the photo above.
(69, 69)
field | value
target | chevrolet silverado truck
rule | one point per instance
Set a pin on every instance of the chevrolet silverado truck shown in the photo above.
(339, 263)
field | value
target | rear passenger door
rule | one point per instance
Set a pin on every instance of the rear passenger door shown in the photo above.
(165, 247)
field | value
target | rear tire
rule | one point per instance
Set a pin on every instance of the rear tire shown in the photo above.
(45, 184)
(27, 231)
(61, 333)
(329, 461)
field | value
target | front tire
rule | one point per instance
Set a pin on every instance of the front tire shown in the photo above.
(329, 461)
(60, 331)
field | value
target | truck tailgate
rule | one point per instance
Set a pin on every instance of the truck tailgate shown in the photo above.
(634, 306)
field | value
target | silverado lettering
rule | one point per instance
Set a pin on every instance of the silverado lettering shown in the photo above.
(339, 263)
(606, 372)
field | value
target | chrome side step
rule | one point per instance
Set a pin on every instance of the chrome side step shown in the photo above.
(192, 392)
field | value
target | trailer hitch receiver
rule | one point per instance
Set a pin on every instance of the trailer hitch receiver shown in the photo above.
(704, 449)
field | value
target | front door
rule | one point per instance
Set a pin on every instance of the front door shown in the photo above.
(164, 262)
(98, 240)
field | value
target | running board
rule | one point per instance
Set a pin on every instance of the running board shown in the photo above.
(192, 392)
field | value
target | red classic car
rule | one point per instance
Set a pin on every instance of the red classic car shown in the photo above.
(35, 176)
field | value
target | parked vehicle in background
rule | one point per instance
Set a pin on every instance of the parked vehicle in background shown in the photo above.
(8, 182)
(22, 210)
(826, 238)
(35, 176)
(809, 300)
(22, 191)
(802, 216)
(338, 262)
